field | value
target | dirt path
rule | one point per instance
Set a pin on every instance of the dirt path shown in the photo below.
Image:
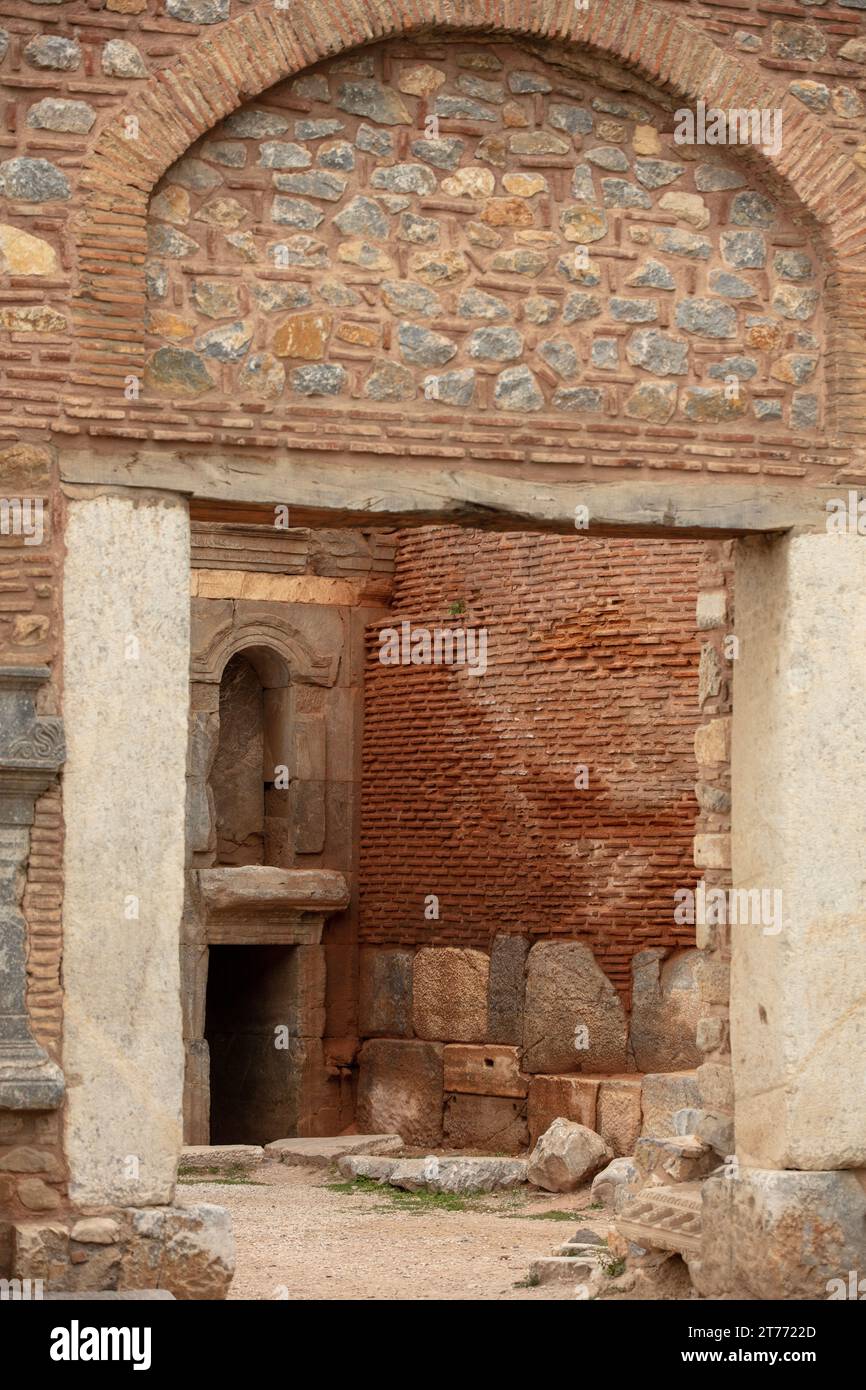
(300, 1233)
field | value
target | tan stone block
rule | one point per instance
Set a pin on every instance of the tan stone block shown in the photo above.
(484, 1071)
(420, 81)
(712, 851)
(713, 741)
(304, 336)
(487, 1122)
(23, 254)
(618, 1113)
(561, 1098)
(507, 212)
(450, 994)
(400, 1089)
(363, 334)
(646, 140)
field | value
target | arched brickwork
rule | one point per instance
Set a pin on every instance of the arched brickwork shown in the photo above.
(245, 56)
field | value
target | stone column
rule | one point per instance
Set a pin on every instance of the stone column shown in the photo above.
(126, 693)
(798, 981)
(31, 752)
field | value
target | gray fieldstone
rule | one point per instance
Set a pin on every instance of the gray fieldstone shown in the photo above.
(538, 142)
(560, 355)
(452, 388)
(363, 217)
(49, 51)
(582, 186)
(566, 1156)
(313, 184)
(424, 347)
(52, 114)
(742, 367)
(652, 400)
(476, 304)
(619, 193)
(230, 153)
(178, 371)
(604, 353)
(625, 110)
(580, 306)
(506, 986)
(539, 309)
(652, 275)
(520, 262)
(388, 381)
(156, 280)
(313, 86)
(572, 119)
(657, 173)
(566, 267)
(198, 11)
(585, 398)
(618, 1174)
(319, 380)
(767, 410)
(799, 41)
(608, 157)
(795, 301)
(284, 154)
(752, 210)
(264, 375)
(517, 389)
(676, 242)
(405, 297)
(706, 318)
(339, 296)
(194, 174)
(301, 250)
(634, 310)
(255, 125)
(442, 154)
(794, 368)
(716, 178)
(815, 95)
(317, 130)
(496, 344)
(521, 82)
(464, 108)
(731, 286)
(804, 411)
(296, 212)
(377, 142)
(793, 265)
(229, 343)
(404, 178)
(338, 155)
(216, 299)
(658, 352)
(420, 231)
(32, 180)
(483, 89)
(744, 250)
(371, 99)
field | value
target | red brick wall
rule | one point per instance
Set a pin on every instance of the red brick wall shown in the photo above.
(468, 782)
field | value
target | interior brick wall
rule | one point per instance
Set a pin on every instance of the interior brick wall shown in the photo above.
(468, 787)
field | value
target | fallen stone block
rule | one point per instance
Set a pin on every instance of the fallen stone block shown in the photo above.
(367, 1166)
(566, 1156)
(616, 1175)
(321, 1153)
(459, 1175)
(219, 1158)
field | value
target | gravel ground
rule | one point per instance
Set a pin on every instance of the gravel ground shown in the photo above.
(301, 1235)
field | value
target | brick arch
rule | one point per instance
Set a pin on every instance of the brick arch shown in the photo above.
(245, 56)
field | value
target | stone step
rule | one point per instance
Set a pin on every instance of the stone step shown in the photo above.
(321, 1153)
(560, 1269)
(219, 1158)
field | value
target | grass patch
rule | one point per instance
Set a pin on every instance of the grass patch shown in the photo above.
(554, 1215)
(613, 1268)
(531, 1281)
(224, 1177)
(395, 1199)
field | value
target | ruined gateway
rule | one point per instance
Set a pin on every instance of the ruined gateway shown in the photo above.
(318, 326)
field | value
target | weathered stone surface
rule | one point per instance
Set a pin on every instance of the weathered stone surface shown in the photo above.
(520, 262)
(33, 180)
(524, 185)
(194, 174)
(566, 1156)
(517, 389)
(296, 212)
(485, 1122)
(706, 318)
(96, 1230)
(716, 178)
(312, 184)
(21, 253)
(388, 381)
(618, 1174)
(815, 95)
(657, 173)
(443, 153)
(178, 371)
(573, 119)
(702, 403)
(264, 375)
(338, 154)
(198, 11)
(302, 335)
(385, 993)
(420, 81)
(781, 1235)
(228, 343)
(561, 1097)
(580, 306)
(450, 994)
(324, 380)
(583, 224)
(376, 142)
(476, 304)
(620, 193)
(321, 1153)
(215, 299)
(633, 310)
(251, 124)
(168, 241)
(608, 157)
(438, 268)
(122, 59)
(664, 1093)
(424, 347)
(797, 41)
(54, 114)
(459, 1175)
(405, 297)
(216, 1158)
(365, 1166)
(744, 250)
(420, 231)
(404, 178)
(657, 352)
(652, 400)
(618, 1112)
(673, 1159)
(371, 99)
(588, 398)
(487, 1070)
(451, 388)
(666, 1005)
(51, 51)
(675, 242)
(687, 207)
(317, 130)
(32, 318)
(795, 301)
(566, 990)
(495, 344)
(400, 1089)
